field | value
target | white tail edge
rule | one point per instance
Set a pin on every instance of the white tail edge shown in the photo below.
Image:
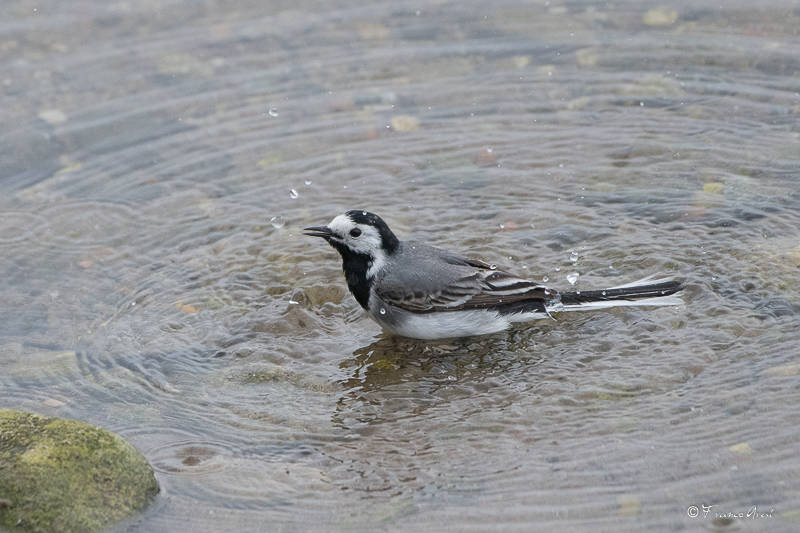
(657, 301)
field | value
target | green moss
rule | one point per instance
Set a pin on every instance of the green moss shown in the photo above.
(384, 364)
(65, 475)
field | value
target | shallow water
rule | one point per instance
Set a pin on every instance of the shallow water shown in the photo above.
(145, 148)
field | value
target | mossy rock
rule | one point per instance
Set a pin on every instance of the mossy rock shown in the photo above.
(64, 475)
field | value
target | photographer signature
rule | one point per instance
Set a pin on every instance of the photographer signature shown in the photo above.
(705, 510)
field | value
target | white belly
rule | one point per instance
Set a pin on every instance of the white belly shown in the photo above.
(442, 325)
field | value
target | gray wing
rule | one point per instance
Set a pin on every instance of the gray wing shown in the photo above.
(443, 281)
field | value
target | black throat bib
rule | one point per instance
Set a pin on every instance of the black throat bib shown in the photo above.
(355, 268)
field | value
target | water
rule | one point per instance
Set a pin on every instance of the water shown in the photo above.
(148, 289)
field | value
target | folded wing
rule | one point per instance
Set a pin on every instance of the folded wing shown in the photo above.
(448, 282)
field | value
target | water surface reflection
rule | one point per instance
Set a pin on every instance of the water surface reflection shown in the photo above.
(158, 162)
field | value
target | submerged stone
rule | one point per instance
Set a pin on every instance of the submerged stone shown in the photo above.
(660, 17)
(404, 123)
(65, 475)
(743, 448)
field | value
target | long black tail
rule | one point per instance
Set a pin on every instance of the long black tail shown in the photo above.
(645, 292)
(627, 293)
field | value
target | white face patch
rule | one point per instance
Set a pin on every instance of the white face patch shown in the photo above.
(368, 242)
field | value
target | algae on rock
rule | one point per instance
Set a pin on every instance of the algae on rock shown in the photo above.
(64, 475)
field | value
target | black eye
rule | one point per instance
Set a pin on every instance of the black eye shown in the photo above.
(355, 232)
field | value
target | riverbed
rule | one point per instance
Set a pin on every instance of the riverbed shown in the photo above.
(159, 159)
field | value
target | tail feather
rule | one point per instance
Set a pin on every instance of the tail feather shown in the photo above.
(645, 292)
(652, 279)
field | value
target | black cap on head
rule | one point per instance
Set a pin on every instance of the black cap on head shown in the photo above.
(390, 242)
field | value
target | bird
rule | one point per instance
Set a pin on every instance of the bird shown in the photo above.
(415, 290)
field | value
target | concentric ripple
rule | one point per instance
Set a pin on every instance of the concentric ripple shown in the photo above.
(157, 164)
(189, 458)
(78, 225)
(18, 226)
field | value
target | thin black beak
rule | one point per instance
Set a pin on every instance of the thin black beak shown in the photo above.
(318, 231)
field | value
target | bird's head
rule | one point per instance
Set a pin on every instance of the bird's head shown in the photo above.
(357, 232)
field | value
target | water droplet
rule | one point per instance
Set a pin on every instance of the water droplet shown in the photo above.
(489, 150)
(547, 292)
(277, 222)
(364, 213)
(573, 256)
(641, 104)
(492, 267)
(558, 269)
(293, 194)
(272, 112)
(308, 182)
(383, 311)
(502, 226)
(577, 292)
(545, 279)
(663, 292)
(603, 293)
(572, 277)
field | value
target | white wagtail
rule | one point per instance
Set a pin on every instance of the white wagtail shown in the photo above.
(415, 290)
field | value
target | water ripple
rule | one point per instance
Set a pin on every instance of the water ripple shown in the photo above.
(146, 147)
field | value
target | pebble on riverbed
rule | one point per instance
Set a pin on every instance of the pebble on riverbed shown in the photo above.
(629, 504)
(794, 256)
(189, 309)
(265, 374)
(743, 448)
(404, 123)
(54, 117)
(791, 369)
(485, 158)
(660, 17)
